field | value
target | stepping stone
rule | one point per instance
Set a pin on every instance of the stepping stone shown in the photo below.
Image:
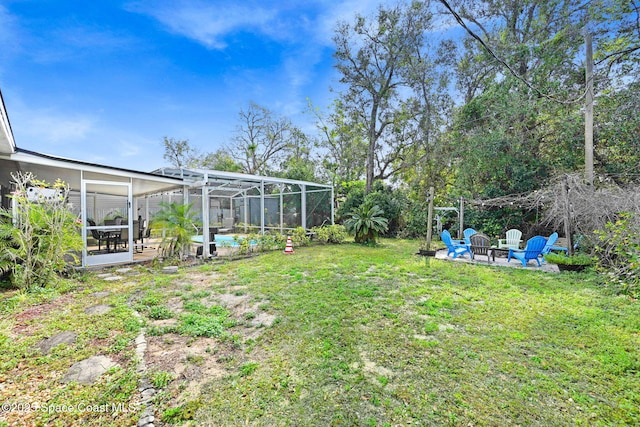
(98, 309)
(88, 370)
(172, 269)
(66, 337)
(123, 270)
(112, 278)
(100, 294)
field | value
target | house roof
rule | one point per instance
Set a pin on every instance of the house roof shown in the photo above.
(7, 143)
(49, 168)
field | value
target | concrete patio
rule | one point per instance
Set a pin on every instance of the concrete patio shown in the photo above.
(500, 261)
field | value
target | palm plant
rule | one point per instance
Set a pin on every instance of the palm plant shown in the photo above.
(180, 224)
(366, 222)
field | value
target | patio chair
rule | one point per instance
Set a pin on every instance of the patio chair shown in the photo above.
(532, 250)
(102, 236)
(467, 233)
(512, 241)
(550, 242)
(452, 246)
(480, 245)
(123, 238)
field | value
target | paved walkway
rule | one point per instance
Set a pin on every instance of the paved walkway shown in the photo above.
(499, 262)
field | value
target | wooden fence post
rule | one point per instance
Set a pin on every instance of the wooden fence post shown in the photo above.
(430, 217)
(567, 214)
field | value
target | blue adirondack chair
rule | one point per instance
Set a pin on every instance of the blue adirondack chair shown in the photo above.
(550, 242)
(467, 233)
(532, 250)
(453, 247)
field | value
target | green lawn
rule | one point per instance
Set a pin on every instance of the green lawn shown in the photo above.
(362, 336)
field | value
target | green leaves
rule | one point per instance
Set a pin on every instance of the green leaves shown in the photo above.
(366, 223)
(180, 224)
(37, 236)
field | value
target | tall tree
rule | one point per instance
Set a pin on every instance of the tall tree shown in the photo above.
(220, 160)
(370, 55)
(179, 153)
(519, 73)
(344, 148)
(261, 139)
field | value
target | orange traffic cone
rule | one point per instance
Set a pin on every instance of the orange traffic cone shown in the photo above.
(289, 248)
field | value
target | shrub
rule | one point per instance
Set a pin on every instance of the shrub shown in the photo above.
(299, 237)
(180, 224)
(366, 223)
(38, 237)
(331, 233)
(578, 259)
(270, 241)
(618, 252)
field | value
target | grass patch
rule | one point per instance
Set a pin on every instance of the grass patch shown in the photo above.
(364, 336)
(377, 336)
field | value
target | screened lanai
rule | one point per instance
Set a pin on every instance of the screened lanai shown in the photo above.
(240, 203)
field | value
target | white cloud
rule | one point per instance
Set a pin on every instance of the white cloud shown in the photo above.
(53, 126)
(10, 39)
(204, 22)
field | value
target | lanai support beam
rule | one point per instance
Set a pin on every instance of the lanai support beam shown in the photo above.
(262, 207)
(303, 205)
(205, 217)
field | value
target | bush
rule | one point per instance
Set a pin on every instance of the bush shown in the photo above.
(331, 233)
(366, 223)
(578, 259)
(37, 241)
(618, 252)
(270, 241)
(392, 202)
(299, 237)
(180, 224)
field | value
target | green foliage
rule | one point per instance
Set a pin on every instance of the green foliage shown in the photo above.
(366, 223)
(353, 192)
(37, 242)
(180, 224)
(416, 219)
(618, 252)
(392, 202)
(299, 237)
(161, 379)
(182, 413)
(269, 241)
(331, 233)
(248, 368)
(202, 321)
(577, 259)
(160, 312)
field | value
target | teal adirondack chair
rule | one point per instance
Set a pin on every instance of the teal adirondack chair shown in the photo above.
(532, 250)
(467, 233)
(453, 247)
(550, 242)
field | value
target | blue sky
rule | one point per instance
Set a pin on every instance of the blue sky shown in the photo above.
(105, 81)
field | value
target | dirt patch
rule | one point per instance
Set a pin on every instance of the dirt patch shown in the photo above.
(197, 361)
(26, 323)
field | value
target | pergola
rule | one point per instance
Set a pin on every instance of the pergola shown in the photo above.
(233, 201)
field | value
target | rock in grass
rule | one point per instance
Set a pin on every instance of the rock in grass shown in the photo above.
(66, 337)
(88, 370)
(98, 309)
